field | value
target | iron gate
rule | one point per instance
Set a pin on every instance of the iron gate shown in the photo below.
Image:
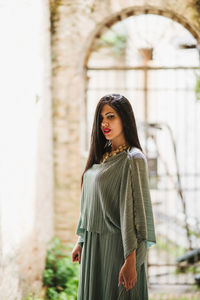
(167, 111)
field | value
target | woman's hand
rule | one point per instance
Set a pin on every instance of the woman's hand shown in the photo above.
(76, 253)
(128, 274)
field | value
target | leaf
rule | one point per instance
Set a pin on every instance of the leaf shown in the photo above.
(48, 277)
(60, 274)
(52, 294)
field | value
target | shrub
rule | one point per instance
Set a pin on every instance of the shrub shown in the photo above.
(60, 275)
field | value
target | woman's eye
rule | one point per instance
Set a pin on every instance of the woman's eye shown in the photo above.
(110, 116)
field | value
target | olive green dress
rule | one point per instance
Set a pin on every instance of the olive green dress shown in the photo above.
(116, 218)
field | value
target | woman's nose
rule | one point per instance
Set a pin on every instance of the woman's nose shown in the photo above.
(104, 123)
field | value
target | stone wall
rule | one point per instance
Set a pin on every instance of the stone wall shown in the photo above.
(26, 172)
(74, 26)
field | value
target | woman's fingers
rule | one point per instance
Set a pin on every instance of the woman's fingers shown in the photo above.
(120, 281)
(76, 253)
(131, 284)
(124, 281)
(127, 280)
(128, 284)
(76, 256)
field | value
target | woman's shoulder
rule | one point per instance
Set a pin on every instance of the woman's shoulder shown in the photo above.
(135, 153)
(137, 159)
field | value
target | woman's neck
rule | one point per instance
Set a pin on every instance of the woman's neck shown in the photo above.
(117, 144)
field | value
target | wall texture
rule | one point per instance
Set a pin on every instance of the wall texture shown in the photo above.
(74, 25)
(26, 173)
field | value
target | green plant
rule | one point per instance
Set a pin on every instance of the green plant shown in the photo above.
(60, 275)
(32, 297)
(170, 247)
(114, 40)
(197, 88)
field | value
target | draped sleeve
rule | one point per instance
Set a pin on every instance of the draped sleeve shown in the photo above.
(79, 229)
(136, 216)
(80, 232)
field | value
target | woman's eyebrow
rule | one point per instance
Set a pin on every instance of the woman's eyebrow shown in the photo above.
(110, 112)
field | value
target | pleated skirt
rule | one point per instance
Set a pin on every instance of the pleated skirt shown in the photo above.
(101, 262)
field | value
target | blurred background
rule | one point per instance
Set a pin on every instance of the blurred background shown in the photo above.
(57, 59)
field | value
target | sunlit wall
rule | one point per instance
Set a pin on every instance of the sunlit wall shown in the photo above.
(26, 178)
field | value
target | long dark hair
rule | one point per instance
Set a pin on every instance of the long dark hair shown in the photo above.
(98, 141)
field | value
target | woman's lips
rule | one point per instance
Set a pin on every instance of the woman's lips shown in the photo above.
(106, 130)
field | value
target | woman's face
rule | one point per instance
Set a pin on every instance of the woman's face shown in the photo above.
(111, 124)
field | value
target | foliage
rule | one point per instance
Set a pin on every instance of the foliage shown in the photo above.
(171, 248)
(32, 297)
(60, 275)
(197, 88)
(113, 40)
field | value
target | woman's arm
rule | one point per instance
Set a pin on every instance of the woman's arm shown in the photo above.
(128, 274)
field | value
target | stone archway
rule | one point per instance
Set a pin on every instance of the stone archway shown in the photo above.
(75, 24)
(139, 10)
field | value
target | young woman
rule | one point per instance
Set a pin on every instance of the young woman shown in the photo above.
(116, 223)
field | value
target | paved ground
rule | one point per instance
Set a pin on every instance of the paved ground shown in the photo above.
(168, 292)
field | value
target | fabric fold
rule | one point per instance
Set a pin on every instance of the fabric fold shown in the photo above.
(142, 200)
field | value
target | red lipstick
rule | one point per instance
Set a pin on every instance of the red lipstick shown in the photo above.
(106, 130)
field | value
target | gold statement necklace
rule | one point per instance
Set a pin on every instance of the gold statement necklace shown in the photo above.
(121, 148)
